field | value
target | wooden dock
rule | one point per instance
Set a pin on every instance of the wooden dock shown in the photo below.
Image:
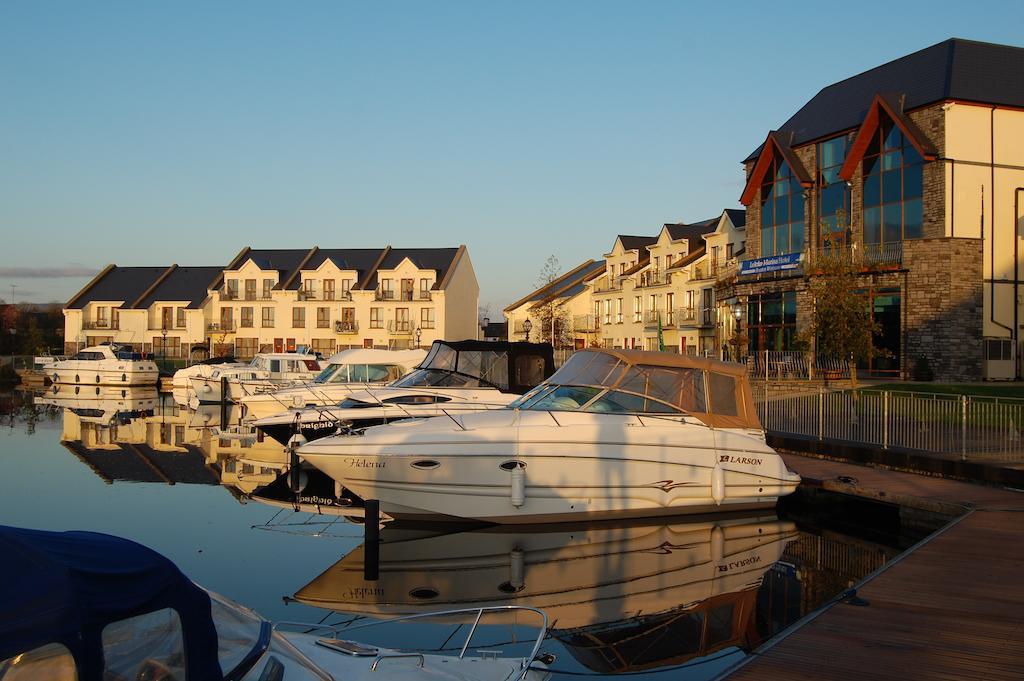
(951, 609)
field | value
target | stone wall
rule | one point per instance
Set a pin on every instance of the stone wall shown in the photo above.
(944, 306)
(931, 121)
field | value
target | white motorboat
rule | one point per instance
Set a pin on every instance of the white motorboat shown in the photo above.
(102, 404)
(265, 372)
(104, 365)
(182, 377)
(455, 377)
(64, 617)
(612, 434)
(346, 371)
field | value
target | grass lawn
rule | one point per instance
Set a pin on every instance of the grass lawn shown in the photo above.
(983, 389)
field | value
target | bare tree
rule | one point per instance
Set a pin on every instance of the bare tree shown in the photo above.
(552, 317)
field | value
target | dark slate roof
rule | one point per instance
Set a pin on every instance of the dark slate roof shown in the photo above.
(738, 217)
(633, 243)
(689, 257)
(284, 260)
(183, 283)
(437, 259)
(361, 260)
(953, 69)
(569, 286)
(118, 283)
(693, 231)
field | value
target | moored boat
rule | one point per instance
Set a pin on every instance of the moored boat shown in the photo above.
(612, 434)
(105, 365)
(265, 372)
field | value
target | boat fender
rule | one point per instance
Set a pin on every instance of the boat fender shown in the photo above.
(518, 486)
(718, 484)
(515, 569)
(717, 544)
(207, 389)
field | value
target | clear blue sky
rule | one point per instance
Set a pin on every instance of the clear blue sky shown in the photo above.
(151, 133)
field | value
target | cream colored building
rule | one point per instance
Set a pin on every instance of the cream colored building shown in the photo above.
(276, 300)
(567, 300)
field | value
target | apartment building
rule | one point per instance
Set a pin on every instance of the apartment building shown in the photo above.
(274, 300)
(566, 302)
(914, 172)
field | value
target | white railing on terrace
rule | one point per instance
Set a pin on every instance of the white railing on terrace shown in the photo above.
(964, 426)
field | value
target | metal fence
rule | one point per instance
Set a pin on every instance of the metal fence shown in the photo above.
(784, 364)
(963, 425)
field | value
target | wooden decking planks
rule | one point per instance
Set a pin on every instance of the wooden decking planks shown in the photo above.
(952, 609)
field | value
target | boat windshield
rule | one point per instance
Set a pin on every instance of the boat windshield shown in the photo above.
(436, 378)
(240, 632)
(446, 366)
(359, 373)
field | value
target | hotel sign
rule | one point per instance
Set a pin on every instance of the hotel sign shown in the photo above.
(773, 263)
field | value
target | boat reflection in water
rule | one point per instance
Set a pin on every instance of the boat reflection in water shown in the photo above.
(620, 597)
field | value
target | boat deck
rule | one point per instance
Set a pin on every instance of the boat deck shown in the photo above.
(953, 608)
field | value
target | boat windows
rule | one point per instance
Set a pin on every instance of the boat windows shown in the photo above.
(589, 368)
(88, 356)
(441, 357)
(436, 378)
(239, 633)
(145, 646)
(680, 386)
(417, 399)
(722, 389)
(275, 365)
(51, 661)
(614, 401)
(561, 398)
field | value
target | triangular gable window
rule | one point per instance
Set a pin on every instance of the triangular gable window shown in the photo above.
(782, 210)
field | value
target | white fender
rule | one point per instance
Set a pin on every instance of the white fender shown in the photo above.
(515, 569)
(718, 484)
(518, 486)
(717, 544)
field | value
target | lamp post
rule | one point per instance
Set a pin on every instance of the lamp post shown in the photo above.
(419, 332)
(163, 345)
(527, 325)
(737, 313)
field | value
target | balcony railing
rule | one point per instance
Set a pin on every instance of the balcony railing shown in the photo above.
(221, 326)
(400, 328)
(158, 325)
(652, 318)
(229, 294)
(346, 327)
(382, 294)
(584, 323)
(692, 317)
(701, 272)
(101, 325)
(605, 286)
(652, 278)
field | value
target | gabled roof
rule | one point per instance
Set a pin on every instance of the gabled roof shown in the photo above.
(572, 285)
(286, 261)
(884, 105)
(576, 275)
(693, 231)
(634, 243)
(955, 69)
(773, 144)
(180, 283)
(441, 260)
(362, 260)
(738, 217)
(689, 257)
(117, 283)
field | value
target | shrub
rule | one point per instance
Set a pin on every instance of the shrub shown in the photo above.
(923, 370)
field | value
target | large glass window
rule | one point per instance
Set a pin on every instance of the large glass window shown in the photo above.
(892, 187)
(772, 321)
(782, 211)
(833, 193)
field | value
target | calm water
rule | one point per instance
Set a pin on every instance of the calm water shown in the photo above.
(621, 598)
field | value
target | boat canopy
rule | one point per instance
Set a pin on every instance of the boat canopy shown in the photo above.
(72, 588)
(509, 367)
(717, 393)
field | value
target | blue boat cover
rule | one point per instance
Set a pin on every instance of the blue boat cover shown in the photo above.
(65, 587)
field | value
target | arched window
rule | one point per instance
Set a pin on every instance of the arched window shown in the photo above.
(782, 210)
(892, 187)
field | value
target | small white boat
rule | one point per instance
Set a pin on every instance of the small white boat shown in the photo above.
(105, 365)
(64, 617)
(455, 377)
(612, 434)
(102, 404)
(265, 372)
(346, 371)
(182, 377)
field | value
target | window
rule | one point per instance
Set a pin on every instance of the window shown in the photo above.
(427, 318)
(328, 289)
(833, 193)
(893, 172)
(346, 289)
(268, 284)
(246, 347)
(782, 211)
(407, 288)
(424, 289)
(170, 348)
(308, 289)
(386, 292)
(670, 300)
(323, 317)
(166, 317)
(618, 310)
(376, 318)
(772, 321)
(597, 311)
(402, 319)
(180, 318)
(607, 311)
(232, 289)
(246, 317)
(324, 346)
(728, 251)
(226, 319)
(268, 317)
(298, 317)
(250, 289)
(145, 646)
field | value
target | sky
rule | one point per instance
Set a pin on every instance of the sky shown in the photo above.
(157, 133)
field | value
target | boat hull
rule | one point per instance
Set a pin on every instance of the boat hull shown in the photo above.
(128, 373)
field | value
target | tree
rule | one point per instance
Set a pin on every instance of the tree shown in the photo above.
(552, 318)
(842, 323)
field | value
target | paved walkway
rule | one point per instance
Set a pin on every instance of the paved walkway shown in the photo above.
(952, 609)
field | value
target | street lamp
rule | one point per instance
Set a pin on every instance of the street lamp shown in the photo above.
(163, 345)
(419, 332)
(737, 312)
(527, 325)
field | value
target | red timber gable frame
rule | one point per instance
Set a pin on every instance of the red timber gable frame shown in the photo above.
(771, 146)
(870, 125)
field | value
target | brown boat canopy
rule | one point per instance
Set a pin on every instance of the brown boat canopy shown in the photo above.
(718, 393)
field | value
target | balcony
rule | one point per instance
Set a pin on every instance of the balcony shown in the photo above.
(383, 294)
(223, 326)
(229, 294)
(101, 325)
(701, 272)
(653, 278)
(346, 327)
(695, 318)
(158, 325)
(326, 296)
(400, 328)
(606, 286)
(864, 256)
(584, 323)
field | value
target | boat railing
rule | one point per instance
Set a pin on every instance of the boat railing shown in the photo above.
(345, 628)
